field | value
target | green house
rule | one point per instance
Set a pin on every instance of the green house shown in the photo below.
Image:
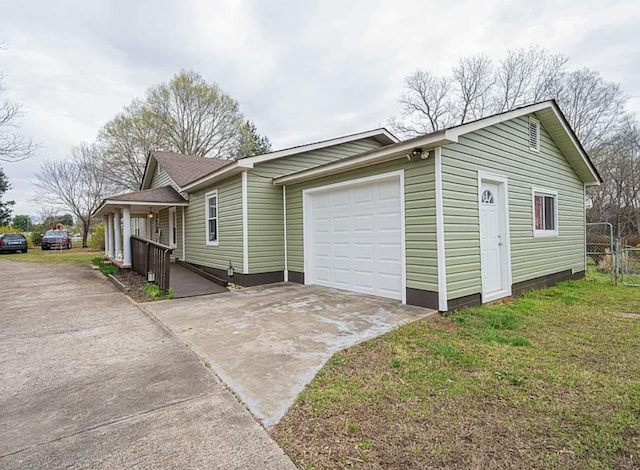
(458, 217)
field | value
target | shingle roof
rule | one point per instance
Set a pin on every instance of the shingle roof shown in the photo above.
(165, 194)
(184, 169)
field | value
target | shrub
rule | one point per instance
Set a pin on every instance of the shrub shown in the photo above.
(97, 237)
(7, 229)
(36, 238)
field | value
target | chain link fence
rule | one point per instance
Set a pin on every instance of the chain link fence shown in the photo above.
(630, 266)
(609, 256)
(600, 248)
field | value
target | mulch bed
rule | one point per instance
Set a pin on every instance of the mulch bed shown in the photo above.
(135, 284)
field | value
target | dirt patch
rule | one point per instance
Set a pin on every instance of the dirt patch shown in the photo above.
(628, 315)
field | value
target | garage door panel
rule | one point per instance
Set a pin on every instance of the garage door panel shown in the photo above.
(361, 225)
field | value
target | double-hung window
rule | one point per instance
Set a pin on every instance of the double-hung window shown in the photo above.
(545, 213)
(211, 217)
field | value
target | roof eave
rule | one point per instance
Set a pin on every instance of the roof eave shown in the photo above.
(384, 154)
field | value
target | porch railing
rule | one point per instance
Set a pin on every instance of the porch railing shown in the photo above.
(151, 260)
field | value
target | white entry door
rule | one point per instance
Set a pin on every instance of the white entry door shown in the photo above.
(494, 241)
(354, 237)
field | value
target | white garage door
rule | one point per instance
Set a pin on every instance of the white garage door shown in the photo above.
(354, 237)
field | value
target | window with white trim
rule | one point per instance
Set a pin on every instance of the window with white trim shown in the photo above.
(211, 217)
(545, 213)
(534, 134)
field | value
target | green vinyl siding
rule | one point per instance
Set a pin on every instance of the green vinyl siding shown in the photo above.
(163, 224)
(178, 251)
(420, 218)
(265, 204)
(503, 149)
(229, 246)
(160, 178)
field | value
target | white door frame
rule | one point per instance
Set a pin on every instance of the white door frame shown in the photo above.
(173, 227)
(307, 217)
(503, 201)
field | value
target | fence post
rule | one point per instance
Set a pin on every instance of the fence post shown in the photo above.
(616, 267)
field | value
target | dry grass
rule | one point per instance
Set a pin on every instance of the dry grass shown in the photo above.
(550, 380)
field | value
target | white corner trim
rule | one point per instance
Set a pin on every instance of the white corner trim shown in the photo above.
(442, 258)
(503, 181)
(184, 242)
(403, 240)
(245, 225)
(284, 226)
(544, 192)
(206, 218)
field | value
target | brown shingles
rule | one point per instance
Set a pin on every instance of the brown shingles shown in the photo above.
(184, 169)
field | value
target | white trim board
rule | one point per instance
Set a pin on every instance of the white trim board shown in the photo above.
(284, 227)
(440, 234)
(206, 218)
(245, 225)
(545, 192)
(307, 216)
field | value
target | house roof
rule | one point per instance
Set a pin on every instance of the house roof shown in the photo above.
(547, 112)
(382, 135)
(181, 168)
(147, 198)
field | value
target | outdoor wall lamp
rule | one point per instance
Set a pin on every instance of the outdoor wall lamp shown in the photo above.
(151, 276)
(230, 269)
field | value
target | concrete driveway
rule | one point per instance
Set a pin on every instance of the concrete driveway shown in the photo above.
(268, 342)
(88, 380)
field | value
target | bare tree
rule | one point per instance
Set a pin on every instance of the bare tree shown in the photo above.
(617, 200)
(527, 76)
(477, 88)
(473, 78)
(426, 104)
(594, 107)
(13, 146)
(76, 184)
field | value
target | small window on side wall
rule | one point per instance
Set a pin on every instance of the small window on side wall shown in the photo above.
(211, 217)
(545, 213)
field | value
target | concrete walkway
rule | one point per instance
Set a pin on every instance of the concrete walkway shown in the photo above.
(88, 380)
(268, 342)
(186, 283)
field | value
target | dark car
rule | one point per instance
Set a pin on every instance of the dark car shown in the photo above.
(12, 243)
(56, 239)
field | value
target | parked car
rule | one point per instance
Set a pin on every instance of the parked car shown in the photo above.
(13, 242)
(56, 239)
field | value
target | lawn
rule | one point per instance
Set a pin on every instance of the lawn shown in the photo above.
(550, 380)
(36, 255)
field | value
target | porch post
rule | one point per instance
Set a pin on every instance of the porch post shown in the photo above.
(105, 221)
(109, 232)
(118, 233)
(126, 241)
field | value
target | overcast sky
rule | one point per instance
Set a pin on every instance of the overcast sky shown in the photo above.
(302, 70)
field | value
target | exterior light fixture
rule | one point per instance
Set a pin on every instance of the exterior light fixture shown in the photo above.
(151, 276)
(230, 269)
(150, 214)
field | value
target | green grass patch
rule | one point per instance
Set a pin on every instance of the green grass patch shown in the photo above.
(36, 255)
(155, 292)
(549, 380)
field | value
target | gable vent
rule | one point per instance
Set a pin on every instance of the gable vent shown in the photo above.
(534, 134)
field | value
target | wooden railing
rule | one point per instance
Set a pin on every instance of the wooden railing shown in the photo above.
(148, 257)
